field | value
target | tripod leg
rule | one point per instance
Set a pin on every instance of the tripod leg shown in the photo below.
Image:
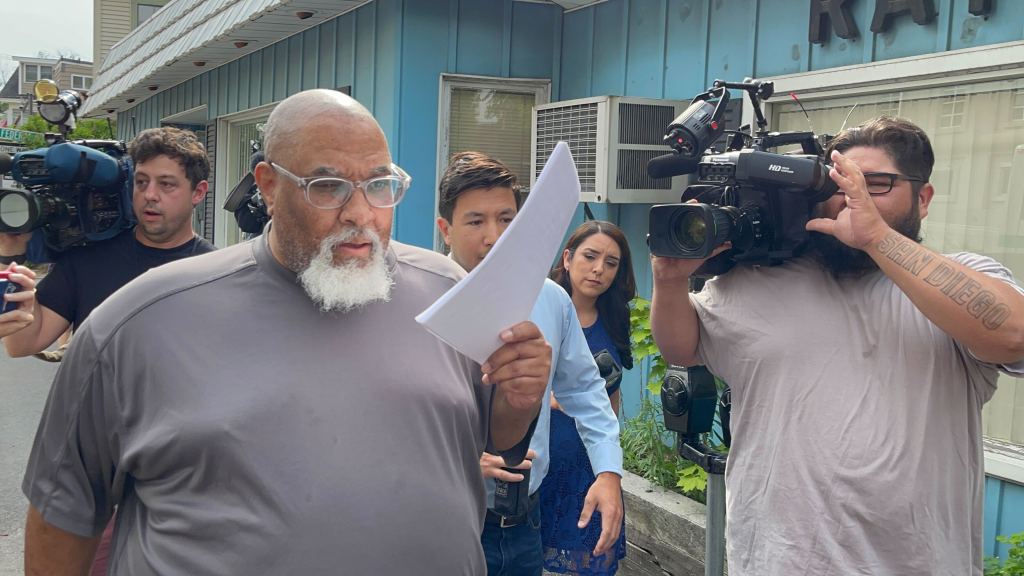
(714, 528)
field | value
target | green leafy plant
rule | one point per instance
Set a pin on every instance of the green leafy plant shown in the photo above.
(85, 128)
(644, 450)
(649, 450)
(643, 343)
(1014, 563)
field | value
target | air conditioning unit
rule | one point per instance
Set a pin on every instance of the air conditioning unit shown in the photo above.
(611, 139)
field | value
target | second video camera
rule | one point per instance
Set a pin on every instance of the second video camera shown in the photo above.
(76, 192)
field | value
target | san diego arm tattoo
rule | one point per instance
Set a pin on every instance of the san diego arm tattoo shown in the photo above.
(967, 293)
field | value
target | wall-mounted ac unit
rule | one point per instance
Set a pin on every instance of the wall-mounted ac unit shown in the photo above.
(611, 139)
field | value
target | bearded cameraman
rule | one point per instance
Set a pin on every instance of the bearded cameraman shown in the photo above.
(858, 373)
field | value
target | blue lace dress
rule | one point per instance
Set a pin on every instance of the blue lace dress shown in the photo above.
(567, 549)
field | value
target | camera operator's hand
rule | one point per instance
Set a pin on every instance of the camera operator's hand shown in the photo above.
(669, 270)
(491, 466)
(16, 320)
(858, 223)
(14, 244)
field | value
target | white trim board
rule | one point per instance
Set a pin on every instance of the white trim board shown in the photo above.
(941, 68)
(1004, 460)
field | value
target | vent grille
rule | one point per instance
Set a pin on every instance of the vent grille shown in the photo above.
(632, 173)
(576, 125)
(644, 123)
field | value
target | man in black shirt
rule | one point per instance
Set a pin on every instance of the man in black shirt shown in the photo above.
(170, 179)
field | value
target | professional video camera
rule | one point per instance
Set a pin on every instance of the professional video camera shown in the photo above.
(75, 192)
(758, 199)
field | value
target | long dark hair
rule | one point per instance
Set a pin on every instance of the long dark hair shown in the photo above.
(613, 305)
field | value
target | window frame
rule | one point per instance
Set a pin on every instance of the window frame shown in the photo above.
(83, 77)
(136, 4)
(227, 148)
(540, 87)
(938, 70)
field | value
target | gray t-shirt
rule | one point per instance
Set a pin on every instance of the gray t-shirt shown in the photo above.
(856, 425)
(241, 431)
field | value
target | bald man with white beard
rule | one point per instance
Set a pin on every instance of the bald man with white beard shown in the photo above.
(273, 407)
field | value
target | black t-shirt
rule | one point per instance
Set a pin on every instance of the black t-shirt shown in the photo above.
(84, 277)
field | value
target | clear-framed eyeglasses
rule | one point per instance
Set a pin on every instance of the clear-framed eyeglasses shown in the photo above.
(330, 192)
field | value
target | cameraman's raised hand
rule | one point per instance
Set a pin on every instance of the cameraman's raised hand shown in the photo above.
(858, 223)
(678, 270)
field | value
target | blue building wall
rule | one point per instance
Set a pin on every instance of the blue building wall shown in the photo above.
(392, 53)
(1004, 513)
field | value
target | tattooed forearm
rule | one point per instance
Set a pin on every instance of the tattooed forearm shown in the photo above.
(905, 252)
(967, 293)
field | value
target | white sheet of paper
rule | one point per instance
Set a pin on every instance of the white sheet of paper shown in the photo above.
(501, 291)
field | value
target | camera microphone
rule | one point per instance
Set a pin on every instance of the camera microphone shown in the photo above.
(5, 163)
(672, 164)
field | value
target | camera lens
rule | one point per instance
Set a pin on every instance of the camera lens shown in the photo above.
(692, 230)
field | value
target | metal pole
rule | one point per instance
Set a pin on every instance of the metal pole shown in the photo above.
(714, 527)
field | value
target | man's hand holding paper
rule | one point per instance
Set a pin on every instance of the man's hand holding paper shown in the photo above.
(484, 315)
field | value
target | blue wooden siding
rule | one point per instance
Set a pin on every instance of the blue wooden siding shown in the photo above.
(498, 39)
(1004, 514)
(392, 54)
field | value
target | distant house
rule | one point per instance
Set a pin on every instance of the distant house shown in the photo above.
(17, 92)
(444, 76)
(68, 73)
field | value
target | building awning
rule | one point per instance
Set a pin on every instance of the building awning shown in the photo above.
(570, 5)
(165, 49)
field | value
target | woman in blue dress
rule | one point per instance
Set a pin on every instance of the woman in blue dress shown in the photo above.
(597, 272)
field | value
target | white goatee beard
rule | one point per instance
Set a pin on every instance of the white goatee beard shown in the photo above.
(352, 284)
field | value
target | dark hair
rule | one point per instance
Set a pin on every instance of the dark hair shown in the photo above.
(181, 145)
(469, 171)
(613, 305)
(905, 143)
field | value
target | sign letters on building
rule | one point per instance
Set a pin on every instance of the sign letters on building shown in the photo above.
(835, 16)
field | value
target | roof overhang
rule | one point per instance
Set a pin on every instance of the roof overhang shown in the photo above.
(164, 50)
(568, 5)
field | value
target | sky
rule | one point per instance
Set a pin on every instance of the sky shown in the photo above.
(52, 26)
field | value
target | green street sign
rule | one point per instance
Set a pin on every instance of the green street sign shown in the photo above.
(14, 135)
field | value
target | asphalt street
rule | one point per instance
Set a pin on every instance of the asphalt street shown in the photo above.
(24, 383)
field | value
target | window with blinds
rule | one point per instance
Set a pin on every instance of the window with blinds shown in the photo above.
(494, 122)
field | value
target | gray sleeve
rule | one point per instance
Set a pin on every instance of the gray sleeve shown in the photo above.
(711, 322)
(991, 267)
(72, 477)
